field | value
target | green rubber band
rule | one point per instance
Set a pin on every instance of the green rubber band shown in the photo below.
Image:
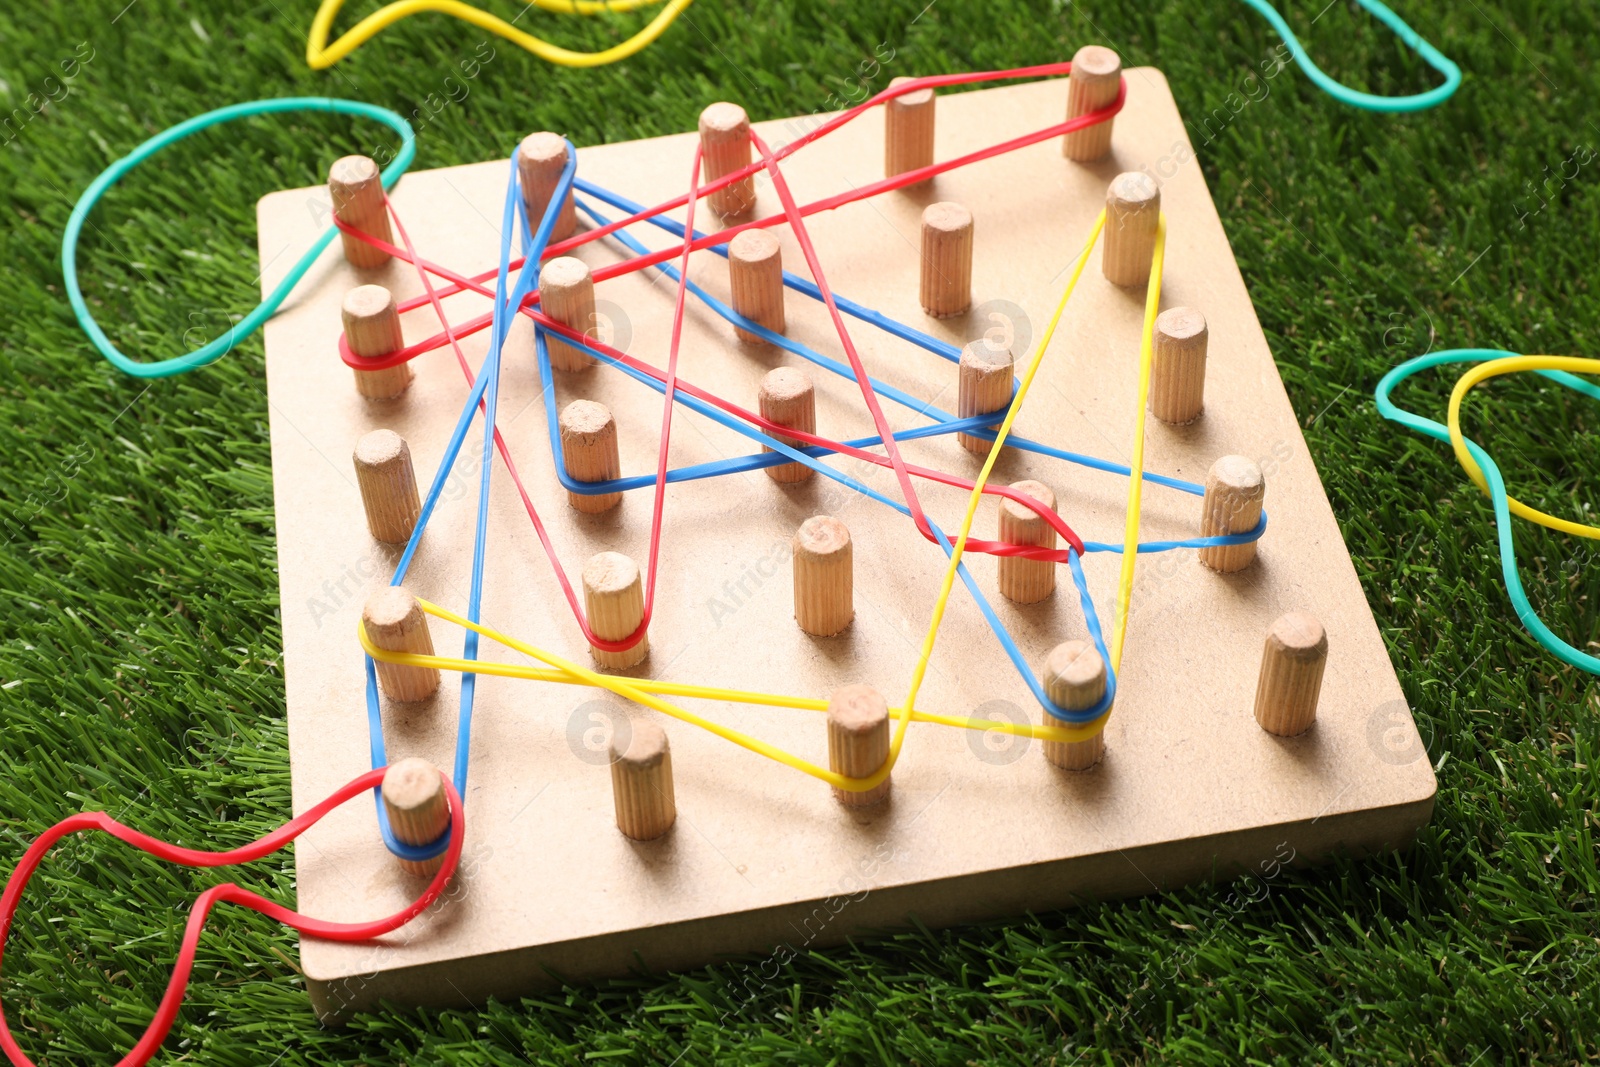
(220, 346)
(1496, 482)
(1354, 97)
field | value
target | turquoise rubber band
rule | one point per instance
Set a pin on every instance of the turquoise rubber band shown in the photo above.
(220, 346)
(1354, 97)
(1497, 485)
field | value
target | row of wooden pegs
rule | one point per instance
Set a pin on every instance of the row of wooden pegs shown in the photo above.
(1073, 674)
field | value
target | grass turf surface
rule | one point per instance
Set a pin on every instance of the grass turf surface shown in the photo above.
(140, 666)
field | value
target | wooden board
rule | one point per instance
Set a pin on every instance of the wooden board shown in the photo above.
(762, 858)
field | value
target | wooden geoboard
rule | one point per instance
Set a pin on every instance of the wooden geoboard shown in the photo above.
(762, 857)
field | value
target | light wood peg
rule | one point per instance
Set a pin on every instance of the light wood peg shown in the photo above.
(641, 781)
(1092, 84)
(541, 158)
(983, 385)
(788, 399)
(1074, 679)
(1178, 366)
(1292, 663)
(418, 808)
(589, 452)
(566, 293)
(1133, 211)
(824, 594)
(946, 283)
(395, 622)
(725, 147)
(908, 132)
(1027, 581)
(1235, 489)
(613, 598)
(755, 278)
(388, 486)
(858, 741)
(356, 186)
(372, 329)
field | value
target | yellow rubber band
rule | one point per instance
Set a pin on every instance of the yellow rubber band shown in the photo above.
(1513, 365)
(322, 55)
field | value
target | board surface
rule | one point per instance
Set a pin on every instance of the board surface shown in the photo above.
(762, 859)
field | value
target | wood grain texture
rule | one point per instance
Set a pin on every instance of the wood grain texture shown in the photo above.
(1026, 581)
(858, 742)
(641, 781)
(824, 576)
(356, 186)
(418, 807)
(908, 122)
(388, 486)
(755, 281)
(1235, 492)
(372, 328)
(1178, 366)
(1133, 210)
(1092, 85)
(541, 157)
(566, 292)
(1293, 660)
(1074, 677)
(946, 260)
(395, 622)
(725, 144)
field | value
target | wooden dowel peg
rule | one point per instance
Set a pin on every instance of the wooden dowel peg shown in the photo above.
(356, 186)
(755, 277)
(983, 385)
(1178, 366)
(613, 598)
(946, 286)
(641, 781)
(388, 486)
(589, 452)
(858, 741)
(1027, 581)
(1093, 84)
(1235, 489)
(788, 399)
(1133, 210)
(418, 808)
(1292, 663)
(541, 157)
(1074, 679)
(395, 622)
(824, 593)
(566, 293)
(725, 147)
(908, 132)
(372, 329)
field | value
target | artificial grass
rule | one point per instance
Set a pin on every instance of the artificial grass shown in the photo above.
(140, 650)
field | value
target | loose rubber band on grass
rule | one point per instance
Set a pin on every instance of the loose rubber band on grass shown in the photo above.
(1483, 470)
(321, 55)
(1355, 97)
(166, 1013)
(220, 346)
